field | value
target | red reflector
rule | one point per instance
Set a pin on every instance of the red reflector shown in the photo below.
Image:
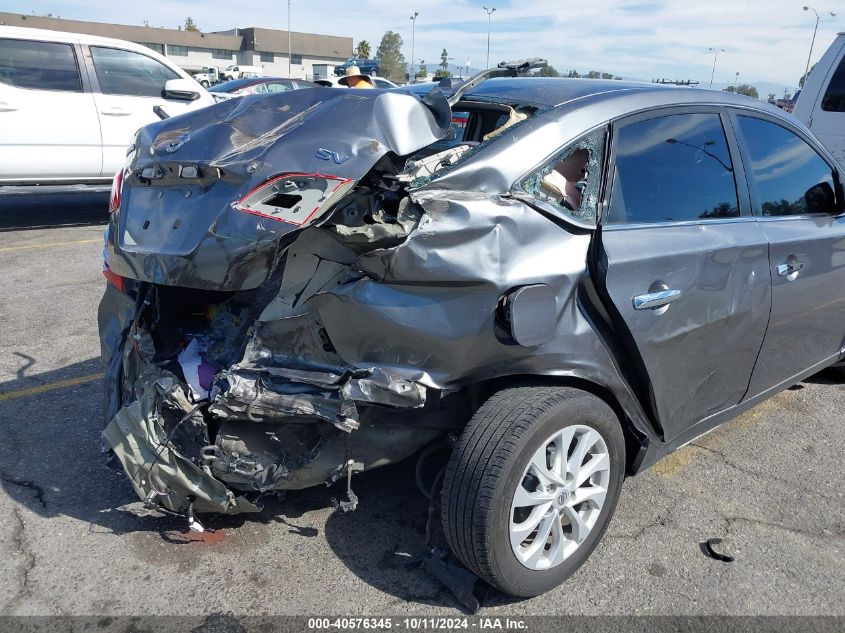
(114, 279)
(116, 190)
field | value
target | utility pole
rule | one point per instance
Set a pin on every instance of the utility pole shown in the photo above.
(289, 52)
(812, 43)
(411, 75)
(715, 56)
(489, 13)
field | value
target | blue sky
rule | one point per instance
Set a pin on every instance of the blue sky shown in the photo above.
(766, 41)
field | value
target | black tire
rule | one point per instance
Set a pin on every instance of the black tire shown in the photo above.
(488, 463)
(204, 84)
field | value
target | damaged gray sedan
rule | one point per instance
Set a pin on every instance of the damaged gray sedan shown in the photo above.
(579, 278)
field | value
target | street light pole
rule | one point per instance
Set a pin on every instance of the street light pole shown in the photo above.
(289, 53)
(813, 42)
(413, 34)
(715, 56)
(489, 23)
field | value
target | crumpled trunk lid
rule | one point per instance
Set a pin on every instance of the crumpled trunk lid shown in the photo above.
(186, 218)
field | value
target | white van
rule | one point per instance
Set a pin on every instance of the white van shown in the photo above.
(821, 104)
(241, 72)
(71, 104)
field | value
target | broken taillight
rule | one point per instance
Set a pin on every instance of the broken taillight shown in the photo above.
(296, 199)
(116, 190)
(114, 279)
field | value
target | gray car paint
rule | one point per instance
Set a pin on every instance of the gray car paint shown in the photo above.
(699, 353)
(422, 310)
(808, 310)
(184, 231)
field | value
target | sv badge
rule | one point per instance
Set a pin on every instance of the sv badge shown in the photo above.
(327, 154)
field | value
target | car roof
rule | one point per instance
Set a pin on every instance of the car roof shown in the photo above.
(46, 35)
(552, 92)
(24, 32)
(567, 109)
(234, 84)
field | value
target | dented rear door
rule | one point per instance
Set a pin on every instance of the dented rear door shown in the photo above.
(684, 266)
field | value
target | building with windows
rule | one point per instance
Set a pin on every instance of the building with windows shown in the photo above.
(192, 50)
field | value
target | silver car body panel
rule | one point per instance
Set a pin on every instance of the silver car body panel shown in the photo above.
(186, 232)
(698, 352)
(808, 307)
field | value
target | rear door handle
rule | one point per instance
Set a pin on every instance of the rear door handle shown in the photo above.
(652, 300)
(790, 270)
(115, 111)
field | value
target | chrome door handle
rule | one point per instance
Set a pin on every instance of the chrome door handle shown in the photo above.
(790, 271)
(652, 300)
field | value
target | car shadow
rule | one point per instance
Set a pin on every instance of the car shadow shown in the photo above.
(829, 376)
(51, 463)
(384, 541)
(28, 208)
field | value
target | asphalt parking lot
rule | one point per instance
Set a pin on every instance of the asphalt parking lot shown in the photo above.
(75, 539)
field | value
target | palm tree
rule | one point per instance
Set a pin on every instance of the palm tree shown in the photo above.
(363, 51)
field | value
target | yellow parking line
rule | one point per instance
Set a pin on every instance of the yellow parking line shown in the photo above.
(61, 384)
(7, 249)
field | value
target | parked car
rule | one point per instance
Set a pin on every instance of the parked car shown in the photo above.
(382, 83)
(367, 66)
(208, 76)
(595, 274)
(821, 104)
(70, 104)
(240, 71)
(259, 86)
(447, 85)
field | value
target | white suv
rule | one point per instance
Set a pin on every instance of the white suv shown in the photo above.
(71, 104)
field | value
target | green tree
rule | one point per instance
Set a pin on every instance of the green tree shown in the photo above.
(573, 74)
(771, 98)
(593, 74)
(391, 58)
(607, 75)
(547, 71)
(423, 71)
(363, 49)
(190, 25)
(804, 77)
(444, 60)
(743, 89)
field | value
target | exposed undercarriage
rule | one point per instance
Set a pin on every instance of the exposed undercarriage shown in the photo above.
(233, 394)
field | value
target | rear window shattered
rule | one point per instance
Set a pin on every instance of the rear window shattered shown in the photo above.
(474, 129)
(568, 183)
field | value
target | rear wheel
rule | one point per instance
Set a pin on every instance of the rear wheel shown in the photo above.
(204, 83)
(531, 486)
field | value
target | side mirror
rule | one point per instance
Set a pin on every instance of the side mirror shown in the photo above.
(820, 198)
(181, 90)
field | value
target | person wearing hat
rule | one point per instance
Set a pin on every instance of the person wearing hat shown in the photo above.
(355, 79)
